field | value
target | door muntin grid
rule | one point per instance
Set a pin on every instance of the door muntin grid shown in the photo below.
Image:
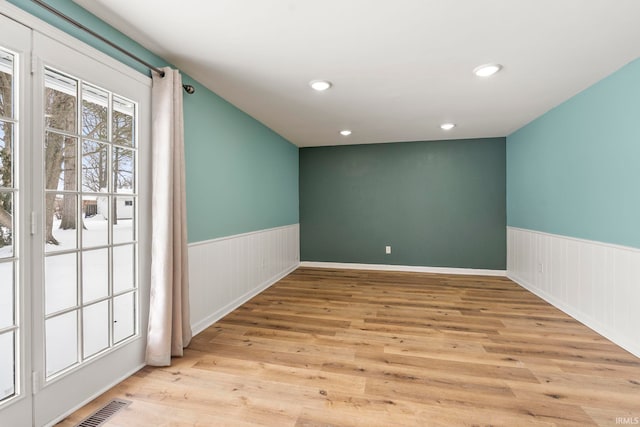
(90, 225)
(9, 232)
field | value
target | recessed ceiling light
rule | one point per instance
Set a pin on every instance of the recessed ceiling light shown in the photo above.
(487, 70)
(345, 132)
(320, 85)
(447, 126)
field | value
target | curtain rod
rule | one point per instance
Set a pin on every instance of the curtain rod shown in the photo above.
(188, 88)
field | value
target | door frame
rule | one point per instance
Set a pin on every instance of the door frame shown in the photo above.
(18, 409)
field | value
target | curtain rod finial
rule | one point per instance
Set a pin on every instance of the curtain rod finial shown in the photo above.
(189, 89)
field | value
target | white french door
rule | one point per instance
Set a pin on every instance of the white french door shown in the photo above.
(79, 240)
(15, 318)
(91, 201)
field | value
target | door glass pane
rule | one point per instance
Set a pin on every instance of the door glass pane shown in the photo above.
(123, 114)
(7, 365)
(6, 85)
(95, 274)
(123, 231)
(60, 222)
(123, 162)
(123, 261)
(60, 284)
(95, 122)
(6, 153)
(60, 101)
(96, 227)
(6, 295)
(61, 342)
(95, 176)
(95, 328)
(60, 162)
(6, 224)
(124, 317)
(89, 206)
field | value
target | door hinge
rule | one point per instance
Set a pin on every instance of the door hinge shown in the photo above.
(35, 382)
(33, 223)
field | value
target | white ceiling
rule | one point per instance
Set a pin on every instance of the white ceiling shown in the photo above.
(399, 67)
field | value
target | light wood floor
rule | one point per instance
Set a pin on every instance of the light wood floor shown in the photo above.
(355, 348)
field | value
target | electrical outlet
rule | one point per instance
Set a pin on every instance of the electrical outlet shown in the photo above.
(540, 267)
(387, 250)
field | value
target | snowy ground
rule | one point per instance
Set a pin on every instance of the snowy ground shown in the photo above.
(61, 270)
(61, 290)
(6, 365)
(94, 235)
(6, 320)
(61, 293)
(6, 252)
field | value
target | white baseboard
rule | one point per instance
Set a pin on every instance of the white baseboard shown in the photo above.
(406, 268)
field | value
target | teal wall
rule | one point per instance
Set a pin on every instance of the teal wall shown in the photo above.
(241, 176)
(575, 171)
(439, 203)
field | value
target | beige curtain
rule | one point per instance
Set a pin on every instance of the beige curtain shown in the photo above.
(169, 324)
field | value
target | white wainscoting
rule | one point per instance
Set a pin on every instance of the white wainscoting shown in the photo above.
(226, 272)
(596, 283)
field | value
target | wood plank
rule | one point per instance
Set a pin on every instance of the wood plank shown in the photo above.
(525, 411)
(329, 348)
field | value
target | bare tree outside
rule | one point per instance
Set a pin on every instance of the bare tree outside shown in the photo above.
(122, 125)
(60, 150)
(94, 167)
(60, 159)
(6, 155)
(95, 171)
(61, 163)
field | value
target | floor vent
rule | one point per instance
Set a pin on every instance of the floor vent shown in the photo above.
(102, 415)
